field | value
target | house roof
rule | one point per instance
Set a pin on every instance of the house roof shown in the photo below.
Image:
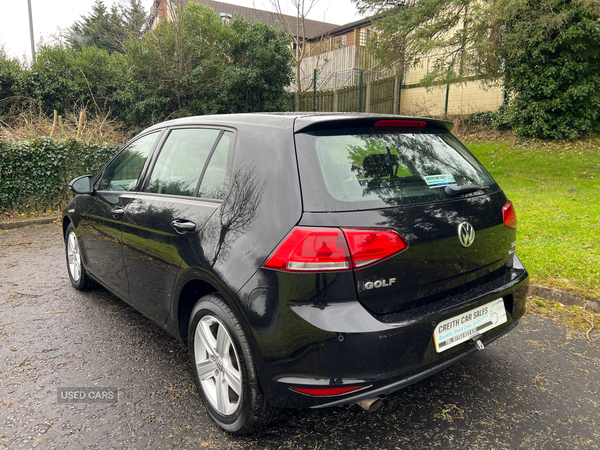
(314, 28)
(341, 29)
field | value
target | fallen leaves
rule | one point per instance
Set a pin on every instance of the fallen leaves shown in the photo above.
(450, 412)
(540, 380)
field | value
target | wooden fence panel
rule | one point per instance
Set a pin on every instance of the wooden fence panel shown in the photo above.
(325, 101)
(306, 99)
(349, 99)
(382, 96)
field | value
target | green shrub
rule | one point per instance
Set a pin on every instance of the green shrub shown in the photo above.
(554, 72)
(197, 64)
(65, 80)
(502, 120)
(12, 83)
(490, 120)
(192, 64)
(482, 120)
(34, 174)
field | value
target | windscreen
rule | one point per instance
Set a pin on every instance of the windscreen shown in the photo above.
(347, 170)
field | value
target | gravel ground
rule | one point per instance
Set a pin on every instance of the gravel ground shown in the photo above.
(535, 388)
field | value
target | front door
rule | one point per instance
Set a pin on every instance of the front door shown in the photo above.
(102, 213)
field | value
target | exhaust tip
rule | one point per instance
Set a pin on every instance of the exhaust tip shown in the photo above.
(370, 404)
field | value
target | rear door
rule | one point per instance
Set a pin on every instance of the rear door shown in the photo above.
(163, 224)
(396, 178)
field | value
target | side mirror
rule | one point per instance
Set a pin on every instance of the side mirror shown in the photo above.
(82, 185)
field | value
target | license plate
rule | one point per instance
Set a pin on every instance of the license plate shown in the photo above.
(463, 327)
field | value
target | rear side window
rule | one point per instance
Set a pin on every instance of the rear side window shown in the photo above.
(182, 160)
(370, 169)
(213, 180)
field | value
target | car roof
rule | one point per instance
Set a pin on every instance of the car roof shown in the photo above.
(299, 120)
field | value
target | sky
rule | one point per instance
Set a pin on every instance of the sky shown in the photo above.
(49, 16)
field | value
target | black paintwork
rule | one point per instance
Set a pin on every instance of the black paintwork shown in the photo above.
(315, 329)
(99, 227)
(434, 262)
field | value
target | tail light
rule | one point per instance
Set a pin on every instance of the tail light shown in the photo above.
(308, 249)
(369, 246)
(311, 249)
(509, 215)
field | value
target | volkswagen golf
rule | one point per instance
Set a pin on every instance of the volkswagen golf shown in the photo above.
(306, 260)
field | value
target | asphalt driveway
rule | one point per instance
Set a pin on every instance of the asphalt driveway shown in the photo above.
(535, 388)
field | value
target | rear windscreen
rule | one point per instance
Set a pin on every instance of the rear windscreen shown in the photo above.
(373, 169)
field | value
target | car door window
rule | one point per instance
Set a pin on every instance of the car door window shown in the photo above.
(181, 161)
(122, 173)
(213, 180)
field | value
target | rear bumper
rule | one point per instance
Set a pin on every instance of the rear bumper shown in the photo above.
(344, 345)
(407, 381)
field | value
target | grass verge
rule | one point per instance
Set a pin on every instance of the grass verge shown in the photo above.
(578, 320)
(9, 216)
(556, 191)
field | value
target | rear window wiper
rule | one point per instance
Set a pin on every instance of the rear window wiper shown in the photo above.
(453, 189)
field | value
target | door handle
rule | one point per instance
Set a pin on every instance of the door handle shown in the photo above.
(183, 226)
(117, 212)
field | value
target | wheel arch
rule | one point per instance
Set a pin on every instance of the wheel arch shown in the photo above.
(193, 290)
(189, 295)
(65, 224)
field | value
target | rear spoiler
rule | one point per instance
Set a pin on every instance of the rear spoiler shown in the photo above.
(340, 121)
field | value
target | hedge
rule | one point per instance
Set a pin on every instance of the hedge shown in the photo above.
(34, 174)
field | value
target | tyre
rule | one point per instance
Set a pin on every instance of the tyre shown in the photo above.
(77, 273)
(224, 369)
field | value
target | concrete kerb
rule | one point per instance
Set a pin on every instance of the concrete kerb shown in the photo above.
(27, 222)
(555, 295)
(566, 298)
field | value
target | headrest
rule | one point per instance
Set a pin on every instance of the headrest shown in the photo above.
(379, 165)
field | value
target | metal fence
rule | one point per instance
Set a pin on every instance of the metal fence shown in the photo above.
(349, 77)
(355, 90)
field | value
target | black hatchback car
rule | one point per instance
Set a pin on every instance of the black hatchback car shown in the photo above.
(306, 260)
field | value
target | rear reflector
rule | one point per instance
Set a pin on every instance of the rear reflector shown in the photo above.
(400, 123)
(509, 215)
(321, 249)
(324, 392)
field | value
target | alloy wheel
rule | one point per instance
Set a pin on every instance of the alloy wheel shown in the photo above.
(218, 365)
(74, 257)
